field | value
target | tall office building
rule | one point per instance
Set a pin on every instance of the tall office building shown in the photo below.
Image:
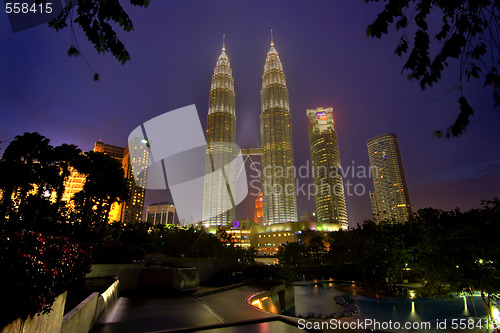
(390, 199)
(73, 184)
(325, 160)
(160, 213)
(130, 210)
(135, 152)
(218, 203)
(113, 151)
(115, 212)
(278, 174)
(259, 209)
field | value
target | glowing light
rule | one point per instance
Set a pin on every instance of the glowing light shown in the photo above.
(321, 116)
(466, 311)
(496, 314)
(257, 304)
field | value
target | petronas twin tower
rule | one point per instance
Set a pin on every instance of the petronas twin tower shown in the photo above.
(277, 170)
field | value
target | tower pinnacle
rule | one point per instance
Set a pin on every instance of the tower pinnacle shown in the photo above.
(272, 41)
(224, 42)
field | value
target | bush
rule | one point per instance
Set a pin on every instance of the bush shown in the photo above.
(36, 269)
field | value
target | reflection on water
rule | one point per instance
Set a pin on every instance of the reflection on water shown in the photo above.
(320, 299)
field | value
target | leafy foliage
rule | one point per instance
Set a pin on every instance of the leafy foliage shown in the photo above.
(105, 184)
(460, 253)
(469, 32)
(96, 19)
(448, 252)
(31, 172)
(32, 182)
(36, 269)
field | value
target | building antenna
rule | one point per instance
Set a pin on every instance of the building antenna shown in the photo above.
(223, 42)
(272, 40)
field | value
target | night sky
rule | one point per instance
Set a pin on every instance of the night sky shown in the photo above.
(328, 61)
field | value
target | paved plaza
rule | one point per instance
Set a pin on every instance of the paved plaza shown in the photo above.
(225, 312)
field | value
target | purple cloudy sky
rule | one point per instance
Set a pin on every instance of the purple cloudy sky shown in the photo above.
(328, 61)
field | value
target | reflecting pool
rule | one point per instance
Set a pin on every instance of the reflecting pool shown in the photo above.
(318, 301)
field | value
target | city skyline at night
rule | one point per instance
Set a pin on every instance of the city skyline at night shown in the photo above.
(328, 60)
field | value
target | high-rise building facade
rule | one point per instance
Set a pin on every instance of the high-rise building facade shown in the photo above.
(160, 213)
(73, 184)
(115, 212)
(218, 203)
(390, 199)
(113, 151)
(259, 209)
(135, 153)
(325, 161)
(130, 210)
(278, 169)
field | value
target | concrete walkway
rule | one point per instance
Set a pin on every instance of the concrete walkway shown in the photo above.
(190, 313)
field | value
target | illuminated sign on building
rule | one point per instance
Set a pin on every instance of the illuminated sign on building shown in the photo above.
(321, 116)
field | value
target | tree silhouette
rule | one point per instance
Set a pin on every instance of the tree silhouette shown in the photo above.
(32, 182)
(105, 184)
(28, 175)
(459, 251)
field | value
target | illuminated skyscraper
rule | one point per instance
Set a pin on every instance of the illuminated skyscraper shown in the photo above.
(278, 176)
(259, 212)
(390, 199)
(160, 213)
(218, 205)
(135, 152)
(129, 211)
(115, 213)
(325, 160)
(113, 151)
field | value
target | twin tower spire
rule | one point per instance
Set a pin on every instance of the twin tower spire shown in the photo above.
(277, 167)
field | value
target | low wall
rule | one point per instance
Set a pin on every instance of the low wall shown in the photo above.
(186, 278)
(207, 268)
(83, 317)
(128, 274)
(50, 322)
(106, 300)
(169, 279)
